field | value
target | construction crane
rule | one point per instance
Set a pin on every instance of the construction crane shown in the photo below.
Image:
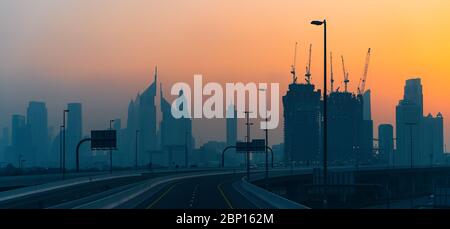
(331, 72)
(294, 75)
(362, 83)
(346, 80)
(308, 68)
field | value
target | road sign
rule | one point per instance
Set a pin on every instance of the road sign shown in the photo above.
(241, 147)
(256, 145)
(103, 139)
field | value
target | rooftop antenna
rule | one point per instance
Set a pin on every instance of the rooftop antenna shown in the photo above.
(308, 68)
(294, 76)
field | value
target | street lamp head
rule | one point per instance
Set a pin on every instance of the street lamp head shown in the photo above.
(66, 110)
(317, 22)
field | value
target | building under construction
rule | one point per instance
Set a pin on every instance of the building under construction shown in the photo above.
(302, 120)
(302, 125)
(350, 136)
(350, 128)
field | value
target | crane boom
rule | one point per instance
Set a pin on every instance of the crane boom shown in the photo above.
(308, 68)
(362, 87)
(346, 80)
(294, 75)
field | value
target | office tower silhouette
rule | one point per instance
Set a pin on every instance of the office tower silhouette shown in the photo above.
(175, 135)
(302, 124)
(420, 140)
(349, 135)
(37, 121)
(413, 93)
(74, 132)
(142, 118)
(20, 147)
(121, 156)
(408, 121)
(433, 140)
(385, 144)
(55, 150)
(231, 139)
(4, 142)
(409, 113)
(367, 108)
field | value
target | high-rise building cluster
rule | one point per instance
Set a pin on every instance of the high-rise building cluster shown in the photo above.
(349, 126)
(420, 139)
(146, 141)
(30, 143)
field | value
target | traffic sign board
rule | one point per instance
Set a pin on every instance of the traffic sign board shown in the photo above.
(103, 139)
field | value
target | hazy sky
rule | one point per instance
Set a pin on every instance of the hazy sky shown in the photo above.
(102, 52)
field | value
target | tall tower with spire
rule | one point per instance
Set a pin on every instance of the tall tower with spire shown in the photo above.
(142, 117)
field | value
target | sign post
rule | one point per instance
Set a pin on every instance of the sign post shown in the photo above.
(100, 140)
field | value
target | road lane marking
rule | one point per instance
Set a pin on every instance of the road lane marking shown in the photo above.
(219, 187)
(191, 202)
(161, 196)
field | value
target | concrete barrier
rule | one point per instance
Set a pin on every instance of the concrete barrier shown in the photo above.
(30, 190)
(269, 199)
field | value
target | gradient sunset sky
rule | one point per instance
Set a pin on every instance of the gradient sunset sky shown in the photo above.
(102, 52)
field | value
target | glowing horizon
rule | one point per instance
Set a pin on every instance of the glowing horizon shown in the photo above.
(61, 51)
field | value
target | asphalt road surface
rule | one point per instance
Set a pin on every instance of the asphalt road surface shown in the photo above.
(209, 192)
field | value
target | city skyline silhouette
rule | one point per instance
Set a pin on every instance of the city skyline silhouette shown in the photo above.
(124, 63)
(213, 105)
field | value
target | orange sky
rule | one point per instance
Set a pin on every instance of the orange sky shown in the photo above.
(69, 43)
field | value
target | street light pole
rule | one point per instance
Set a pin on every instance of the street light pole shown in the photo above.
(110, 151)
(61, 128)
(267, 144)
(64, 144)
(325, 143)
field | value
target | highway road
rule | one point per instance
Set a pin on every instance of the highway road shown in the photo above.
(207, 192)
(58, 196)
(193, 189)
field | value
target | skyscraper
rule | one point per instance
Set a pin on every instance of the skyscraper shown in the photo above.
(37, 121)
(413, 93)
(4, 142)
(74, 132)
(121, 156)
(231, 123)
(409, 114)
(385, 144)
(175, 135)
(350, 136)
(433, 140)
(367, 110)
(302, 124)
(142, 118)
(20, 142)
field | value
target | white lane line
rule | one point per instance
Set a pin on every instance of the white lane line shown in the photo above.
(120, 198)
(194, 192)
